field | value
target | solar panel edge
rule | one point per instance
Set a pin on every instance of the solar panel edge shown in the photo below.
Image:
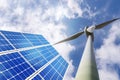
(66, 71)
(23, 34)
(55, 68)
(19, 32)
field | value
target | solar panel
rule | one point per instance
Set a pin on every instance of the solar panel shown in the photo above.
(29, 56)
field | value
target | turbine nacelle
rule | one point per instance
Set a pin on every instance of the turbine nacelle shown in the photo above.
(91, 28)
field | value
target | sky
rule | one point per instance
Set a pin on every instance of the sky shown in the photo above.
(58, 19)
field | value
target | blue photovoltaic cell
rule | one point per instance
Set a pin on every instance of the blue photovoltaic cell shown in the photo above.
(13, 66)
(17, 39)
(47, 52)
(36, 39)
(33, 39)
(4, 45)
(60, 65)
(56, 70)
(34, 57)
(42, 39)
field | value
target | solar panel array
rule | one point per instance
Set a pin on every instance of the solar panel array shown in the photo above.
(29, 56)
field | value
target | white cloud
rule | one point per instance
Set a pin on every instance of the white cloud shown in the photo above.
(108, 75)
(3, 4)
(108, 54)
(53, 13)
(19, 11)
(71, 8)
(88, 11)
(74, 8)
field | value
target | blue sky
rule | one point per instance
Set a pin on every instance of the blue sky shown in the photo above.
(58, 19)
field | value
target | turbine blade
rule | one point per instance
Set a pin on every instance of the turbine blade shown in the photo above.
(105, 23)
(71, 37)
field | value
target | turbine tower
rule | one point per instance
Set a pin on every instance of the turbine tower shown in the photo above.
(87, 69)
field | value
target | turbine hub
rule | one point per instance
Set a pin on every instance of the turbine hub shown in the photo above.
(91, 29)
(85, 29)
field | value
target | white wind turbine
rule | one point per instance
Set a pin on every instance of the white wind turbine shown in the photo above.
(87, 69)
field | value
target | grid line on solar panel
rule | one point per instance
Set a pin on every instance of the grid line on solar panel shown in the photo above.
(32, 39)
(48, 56)
(49, 73)
(19, 40)
(21, 49)
(4, 45)
(37, 78)
(62, 67)
(46, 51)
(34, 58)
(40, 69)
(35, 39)
(52, 50)
(60, 63)
(52, 72)
(13, 65)
(16, 39)
(42, 39)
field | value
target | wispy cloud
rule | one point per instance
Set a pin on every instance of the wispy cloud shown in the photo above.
(108, 55)
(3, 4)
